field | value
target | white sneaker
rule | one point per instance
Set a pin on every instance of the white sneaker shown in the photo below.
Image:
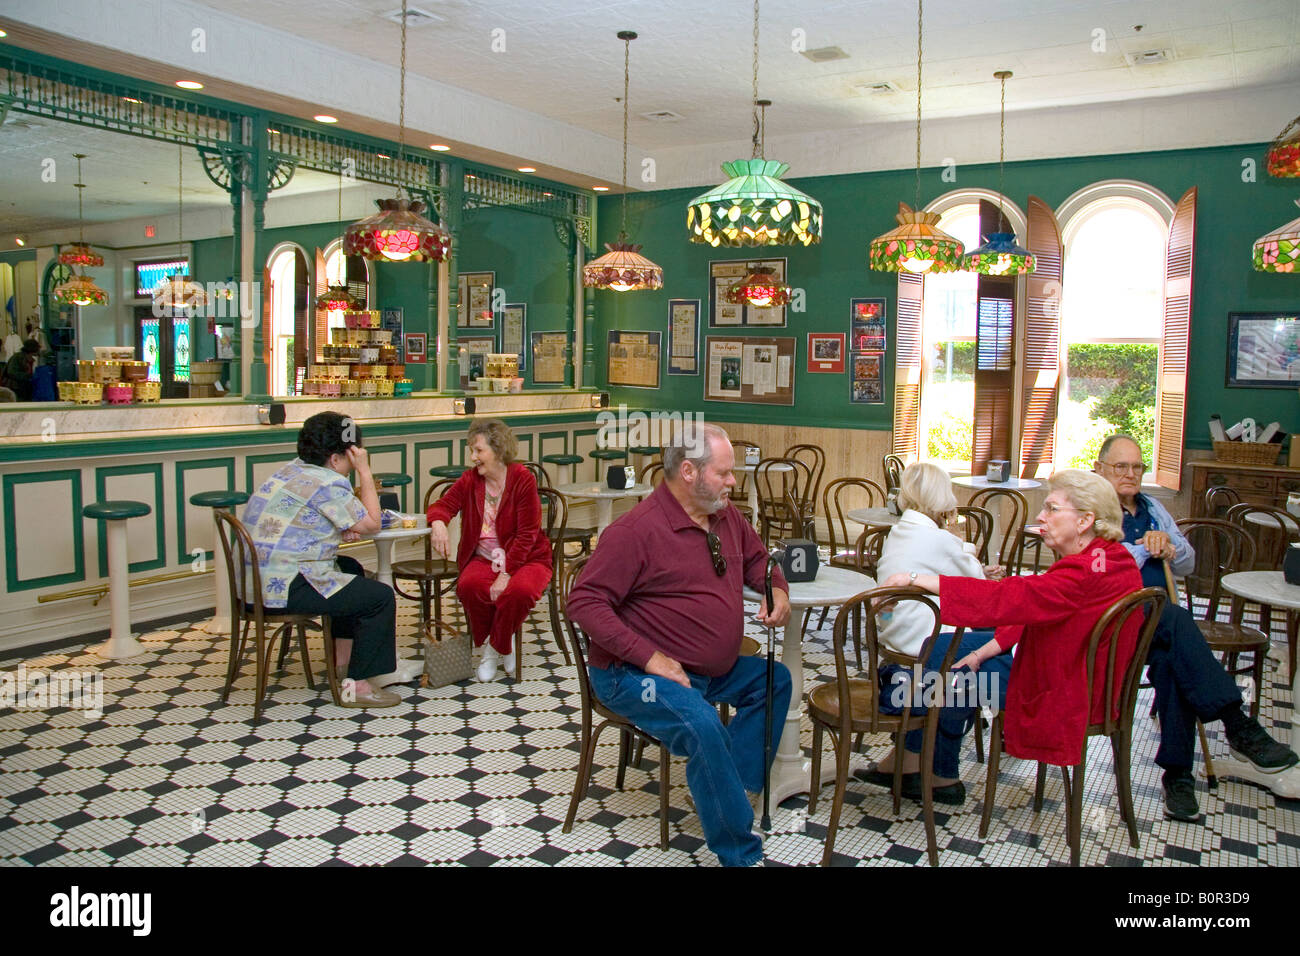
(487, 670)
(508, 664)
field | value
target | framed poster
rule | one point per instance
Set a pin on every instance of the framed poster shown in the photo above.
(474, 350)
(867, 380)
(391, 319)
(867, 325)
(683, 336)
(632, 359)
(514, 322)
(748, 369)
(475, 309)
(826, 351)
(414, 345)
(723, 314)
(549, 352)
(225, 341)
(1263, 350)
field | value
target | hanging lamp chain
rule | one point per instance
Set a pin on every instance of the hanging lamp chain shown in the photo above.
(81, 222)
(919, 9)
(401, 105)
(1002, 145)
(627, 53)
(753, 99)
(180, 202)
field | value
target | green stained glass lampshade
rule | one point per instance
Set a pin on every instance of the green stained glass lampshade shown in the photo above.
(1279, 251)
(754, 208)
(1000, 256)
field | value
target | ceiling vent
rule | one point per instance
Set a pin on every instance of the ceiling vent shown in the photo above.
(877, 89)
(824, 54)
(415, 17)
(661, 116)
(1149, 57)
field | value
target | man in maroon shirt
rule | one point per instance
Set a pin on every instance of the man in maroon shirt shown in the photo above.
(660, 601)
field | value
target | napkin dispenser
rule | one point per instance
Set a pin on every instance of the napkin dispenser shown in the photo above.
(272, 414)
(752, 455)
(620, 477)
(799, 560)
(999, 470)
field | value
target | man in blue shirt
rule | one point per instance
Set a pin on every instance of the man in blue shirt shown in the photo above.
(1190, 684)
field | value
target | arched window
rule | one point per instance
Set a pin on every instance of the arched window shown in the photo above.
(1112, 309)
(285, 339)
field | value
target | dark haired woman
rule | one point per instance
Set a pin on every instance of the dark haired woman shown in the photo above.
(297, 519)
(504, 556)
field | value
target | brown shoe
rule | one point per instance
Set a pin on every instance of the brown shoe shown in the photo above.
(378, 697)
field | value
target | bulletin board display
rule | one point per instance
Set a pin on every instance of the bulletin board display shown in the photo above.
(749, 370)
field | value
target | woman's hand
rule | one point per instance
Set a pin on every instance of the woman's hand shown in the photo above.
(899, 580)
(498, 586)
(971, 662)
(360, 459)
(438, 538)
(351, 535)
(926, 582)
(995, 572)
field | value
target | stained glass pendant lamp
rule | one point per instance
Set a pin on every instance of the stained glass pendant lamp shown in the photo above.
(761, 288)
(80, 289)
(622, 268)
(177, 292)
(398, 232)
(999, 255)
(917, 244)
(1279, 251)
(754, 207)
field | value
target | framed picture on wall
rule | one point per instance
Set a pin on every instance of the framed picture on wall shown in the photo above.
(514, 323)
(867, 325)
(415, 344)
(683, 336)
(826, 352)
(867, 381)
(474, 351)
(1263, 350)
(475, 292)
(632, 359)
(723, 314)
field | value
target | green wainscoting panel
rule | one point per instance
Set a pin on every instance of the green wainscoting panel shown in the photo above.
(78, 573)
(388, 449)
(525, 452)
(429, 454)
(183, 555)
(250, 461)
(158, 513)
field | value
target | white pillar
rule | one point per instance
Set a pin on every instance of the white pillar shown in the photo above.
(121, 642)
(219, 623)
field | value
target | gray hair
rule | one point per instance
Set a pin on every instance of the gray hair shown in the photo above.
(1111, 439)
(928, 489)
(1089, 492)
(693, 443)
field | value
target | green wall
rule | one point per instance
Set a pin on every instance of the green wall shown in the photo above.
(1231, 215)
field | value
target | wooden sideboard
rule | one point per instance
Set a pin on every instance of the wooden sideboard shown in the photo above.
(1257, 484)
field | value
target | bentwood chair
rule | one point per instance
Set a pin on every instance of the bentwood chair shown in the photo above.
(434, 576)
(651, 474)
(1219, 498)
(595, 716)
(838, 498)
(815, 458)
(892, 466)
(1272, 530)
(555, 513)
(1119, 694)
(852, 705)
(997, 502)
(247, 612)
(579, 536)
(740, 494)
(783, 498)
(977, 529)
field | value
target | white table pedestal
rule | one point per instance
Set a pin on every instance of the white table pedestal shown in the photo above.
(1284, 784)
(408, 669)
(121, 642)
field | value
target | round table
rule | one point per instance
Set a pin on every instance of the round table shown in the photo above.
(872, 516)
(408, 669)
(604, 497)
(1266, 520)
(791, 770)
(1268, 587)
(743, 469)
(980, 482)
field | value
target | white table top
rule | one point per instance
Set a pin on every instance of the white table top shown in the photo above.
(596, 489)
(982, 481)
(876, 516)
(397, 534)
(832, 586)
(774, 466)
(1268, 521)
(1267, 587)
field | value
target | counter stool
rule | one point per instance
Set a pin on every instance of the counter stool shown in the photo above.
(448, 471)
(226, 501)
(121, 642)
(610, 455)
(644, 451)
(560, 460)
(392, 479)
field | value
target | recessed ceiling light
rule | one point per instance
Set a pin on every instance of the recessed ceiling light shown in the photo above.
(20, 240)
(824, 54)
(382, 156)
(325, 118)
(130, 99)
(189, 84)
(272, 132)
(439, 147)
(3, 34)
(528, 169)
(600, 189)
(662, 116)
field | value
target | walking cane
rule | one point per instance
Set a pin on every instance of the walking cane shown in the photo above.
(766, 822)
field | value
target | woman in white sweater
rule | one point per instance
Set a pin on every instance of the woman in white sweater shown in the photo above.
(920, 542)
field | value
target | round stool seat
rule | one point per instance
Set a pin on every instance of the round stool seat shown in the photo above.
(218, 499)
(448, 471)
(115, 510)
(609, 454)
(392, 479)
(645, 450)
(562, 459)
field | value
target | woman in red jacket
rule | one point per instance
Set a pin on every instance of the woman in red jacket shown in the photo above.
(1050, 616)
(504, 555)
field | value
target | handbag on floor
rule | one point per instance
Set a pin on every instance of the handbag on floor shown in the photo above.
(447, 660)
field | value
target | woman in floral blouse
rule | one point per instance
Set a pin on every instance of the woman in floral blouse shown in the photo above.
(297, 519)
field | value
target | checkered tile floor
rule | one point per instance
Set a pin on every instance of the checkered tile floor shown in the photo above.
(481, 774)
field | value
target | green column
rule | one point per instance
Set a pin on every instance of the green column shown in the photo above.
(257, 390)
(589, 342)
(236, 366)
(571, 305)
(454, 190)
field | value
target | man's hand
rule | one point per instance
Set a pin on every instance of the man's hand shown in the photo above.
(438, 538)
(498, 586)
(1158, 544)
(661, 665)
(780, 613)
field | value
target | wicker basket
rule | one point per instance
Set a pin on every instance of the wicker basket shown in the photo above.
(1247, 453)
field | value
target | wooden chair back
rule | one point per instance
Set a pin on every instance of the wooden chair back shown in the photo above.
(1219, 498)
(243, 573)
(843, 495)
(1221, 547)
(434, 492)
(868, 548)
(815, 457)
(779, 491)
(892, 466)
(1120, 690)
(977, 528)
(539, 474)
(1000, 501)
(651, 474)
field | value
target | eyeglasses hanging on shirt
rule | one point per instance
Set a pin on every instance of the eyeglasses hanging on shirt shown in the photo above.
(715, 552)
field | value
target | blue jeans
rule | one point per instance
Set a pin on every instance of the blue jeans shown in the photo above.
(721, 762)
(954, 721)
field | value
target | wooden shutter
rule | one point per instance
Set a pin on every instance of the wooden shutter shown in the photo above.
(1171, 378)
(358, 279)
(907, 364)
(995, 339)
(301, 325)
(321, 325)
(1041, 377)
(268, 333)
